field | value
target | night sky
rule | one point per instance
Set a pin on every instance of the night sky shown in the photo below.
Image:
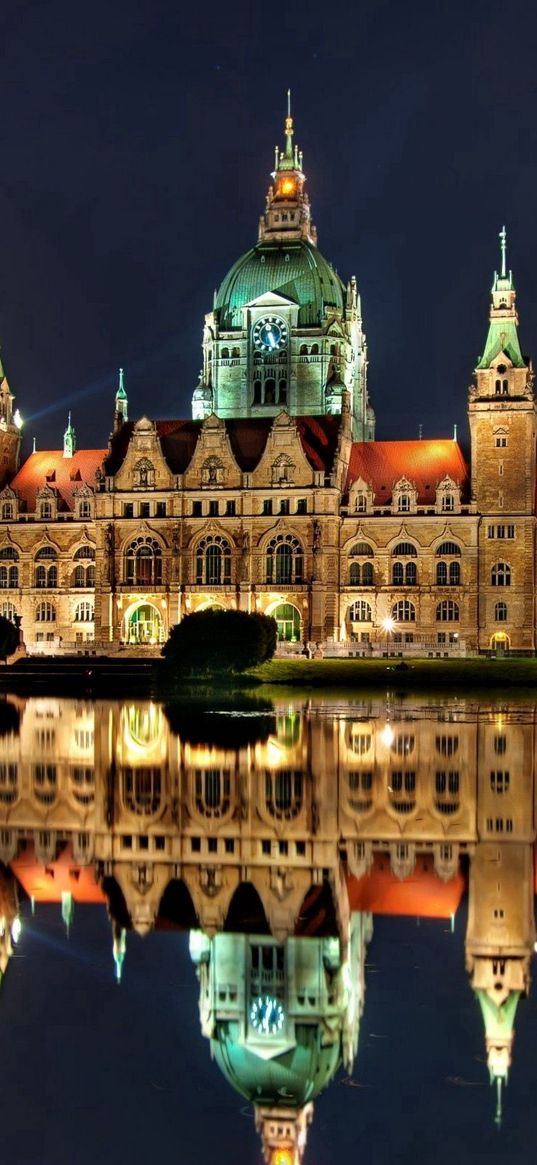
(136, 142)
(96, 1072)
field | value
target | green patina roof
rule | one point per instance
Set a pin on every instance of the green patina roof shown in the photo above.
(290, 1080)
(294, 269)
(502, 337)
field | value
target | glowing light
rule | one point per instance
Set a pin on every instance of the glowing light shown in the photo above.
(387, 735)
(287, 186)
(16, 927)
(17, 419)
(388, 624)
(282, 1157)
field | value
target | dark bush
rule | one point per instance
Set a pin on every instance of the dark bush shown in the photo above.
(216, 642)
(9, 637)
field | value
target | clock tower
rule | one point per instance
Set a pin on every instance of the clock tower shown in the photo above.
(285, 332)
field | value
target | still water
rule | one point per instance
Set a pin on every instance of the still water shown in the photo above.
(282, 929)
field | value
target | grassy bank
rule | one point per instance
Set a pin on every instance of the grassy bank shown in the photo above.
(432, 674)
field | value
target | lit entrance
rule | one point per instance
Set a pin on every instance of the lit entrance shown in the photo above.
(500, 643)
(288, 619)
(145, 625)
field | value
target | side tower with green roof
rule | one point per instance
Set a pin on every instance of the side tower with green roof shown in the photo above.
(285, 332)
(503, 428)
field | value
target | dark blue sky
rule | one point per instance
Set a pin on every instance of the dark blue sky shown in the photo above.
(92, 1072)
(136, 141)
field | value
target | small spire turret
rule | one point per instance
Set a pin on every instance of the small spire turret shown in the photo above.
(69, 439)
(503, 319)
(121, 413)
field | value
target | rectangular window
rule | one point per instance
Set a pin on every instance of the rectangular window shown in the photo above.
(231, 509)
(161, 510)
(213, 509)
(500, 781)
(510, 532)
(284, 506)
(196, 510)
(441, 637)
(500, 531)
(409, 638)
(128, 510)
(145, 509)
(302, 506)
(490, 531)
(501, 442)
(267, 506)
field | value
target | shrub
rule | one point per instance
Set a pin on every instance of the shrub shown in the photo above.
(9, 638)
(218, 642)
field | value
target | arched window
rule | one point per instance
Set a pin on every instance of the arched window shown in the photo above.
(283, 794)
(282, 470)
(303, 350)
(142, 790)
(257, 392)
(212, 471)
(447, 611)
(285, 560)
(235, 353)
(84, 552)
(212, 790)
(446, 788)
(361, 550)
(361, 503)
(282, 392)
(45, 511)
(360, 612)
(501, 575)
(403, 503)
(448, 550)
(398, 574)
(448, 503)
(7, 511)
(45, 613)
(441, 574)
(84, 508)
(454, 574)
(315, 349)
(270, 391)
(143, 563)
(46, 576)
(500, 612)
(404, 612)
(84, 613)
(225, 353)
(7, 610)
(9, 573)
(411, 574)
(404, 550)
(213, 561)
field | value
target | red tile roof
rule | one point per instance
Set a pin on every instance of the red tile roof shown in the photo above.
(424, 463)
(63, 474)
(248, 438)
(422, 894)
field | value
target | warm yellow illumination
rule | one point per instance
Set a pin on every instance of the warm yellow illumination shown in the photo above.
(387, 735)
(388, 624)
(287, 186)
(282, 1157)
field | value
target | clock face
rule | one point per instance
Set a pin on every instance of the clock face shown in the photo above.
(270, 334)
(267, 1015)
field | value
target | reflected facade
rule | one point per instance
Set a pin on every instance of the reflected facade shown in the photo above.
(276, 854)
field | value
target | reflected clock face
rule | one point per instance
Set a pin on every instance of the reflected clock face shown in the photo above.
(270, 334)
(267, 1015)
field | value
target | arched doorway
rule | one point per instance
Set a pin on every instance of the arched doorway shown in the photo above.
(287, 617)
(144, 626)
(500, 643)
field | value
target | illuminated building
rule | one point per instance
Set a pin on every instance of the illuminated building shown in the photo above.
(276, 496)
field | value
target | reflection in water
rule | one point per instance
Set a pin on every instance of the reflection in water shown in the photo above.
(275, 846)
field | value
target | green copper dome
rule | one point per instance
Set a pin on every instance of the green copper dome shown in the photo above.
(289, 1080)
(294, 269)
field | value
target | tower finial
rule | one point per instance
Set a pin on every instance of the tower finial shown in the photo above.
(498, 1113)
(503, 247)
(289, 131)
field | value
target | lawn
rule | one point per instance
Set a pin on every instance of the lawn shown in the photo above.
(424, 673)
